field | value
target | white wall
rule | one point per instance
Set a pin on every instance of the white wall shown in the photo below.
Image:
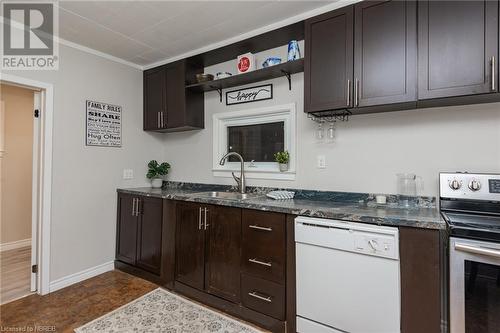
(369, 149)
(85, 178)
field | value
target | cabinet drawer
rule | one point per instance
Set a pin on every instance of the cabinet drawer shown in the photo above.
(263, 296)
(263, 245)
(261, 264)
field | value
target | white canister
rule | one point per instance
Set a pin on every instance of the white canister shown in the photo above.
(246, 63)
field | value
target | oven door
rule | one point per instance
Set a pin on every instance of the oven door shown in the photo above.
(474, 286)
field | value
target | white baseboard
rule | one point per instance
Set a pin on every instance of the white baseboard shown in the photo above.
(80, 276)
(15, 245)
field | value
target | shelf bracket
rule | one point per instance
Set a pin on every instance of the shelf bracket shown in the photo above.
(289, 77)
(219, 90)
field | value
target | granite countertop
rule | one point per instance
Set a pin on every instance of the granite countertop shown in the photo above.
(353, 211)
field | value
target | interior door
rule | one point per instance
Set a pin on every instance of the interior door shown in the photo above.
(126, 245)
(150, 231)
(154, 97)
(458, 48)
(190, 245)
(328, 70)
(385, 52)
(224, 252)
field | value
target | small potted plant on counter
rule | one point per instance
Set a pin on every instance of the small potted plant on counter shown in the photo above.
(282, 157)
(156, 172)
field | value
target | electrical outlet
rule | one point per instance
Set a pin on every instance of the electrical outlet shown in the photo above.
(321, 161)
(128, 174)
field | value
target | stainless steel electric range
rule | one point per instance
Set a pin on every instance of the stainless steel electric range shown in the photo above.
(470, 204)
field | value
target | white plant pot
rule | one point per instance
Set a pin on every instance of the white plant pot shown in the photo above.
(283, 167)
(156, 182)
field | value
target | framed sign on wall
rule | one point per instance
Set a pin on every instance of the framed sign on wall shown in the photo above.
(103, 124)
(247, 95)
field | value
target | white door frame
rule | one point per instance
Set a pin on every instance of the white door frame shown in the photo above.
(44, 195)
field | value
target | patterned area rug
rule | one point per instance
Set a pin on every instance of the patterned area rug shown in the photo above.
(162, 311)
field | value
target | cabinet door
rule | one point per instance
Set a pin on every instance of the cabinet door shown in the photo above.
(385, 52)
(224, 252)
(457, 41)
(175, 113)
(190, 245)
(126, 233)
(150, 230)
(328, 70)
(154, 98)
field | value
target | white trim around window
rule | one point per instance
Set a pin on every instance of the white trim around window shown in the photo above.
(263, 170)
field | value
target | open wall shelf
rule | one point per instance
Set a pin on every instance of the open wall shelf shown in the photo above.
(285, 69)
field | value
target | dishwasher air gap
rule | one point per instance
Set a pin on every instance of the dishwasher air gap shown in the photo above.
(348, 277)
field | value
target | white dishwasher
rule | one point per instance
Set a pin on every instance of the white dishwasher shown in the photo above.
(347, 277)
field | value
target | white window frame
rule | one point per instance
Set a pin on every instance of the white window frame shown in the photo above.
(257, 170)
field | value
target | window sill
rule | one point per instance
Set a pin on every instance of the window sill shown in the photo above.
(256, 174)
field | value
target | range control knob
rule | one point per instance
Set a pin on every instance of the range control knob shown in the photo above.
(455, 184)
(474, 185)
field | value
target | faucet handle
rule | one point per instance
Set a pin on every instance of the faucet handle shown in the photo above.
(238, 179)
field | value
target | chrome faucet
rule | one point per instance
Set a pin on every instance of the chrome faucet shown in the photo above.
(241, 179)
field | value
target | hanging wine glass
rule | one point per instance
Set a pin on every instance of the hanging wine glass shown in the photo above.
(330, 133)
(320, 132)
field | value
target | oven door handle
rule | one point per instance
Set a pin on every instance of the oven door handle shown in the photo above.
(478, 250)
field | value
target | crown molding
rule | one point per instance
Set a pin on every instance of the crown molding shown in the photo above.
(104, 55)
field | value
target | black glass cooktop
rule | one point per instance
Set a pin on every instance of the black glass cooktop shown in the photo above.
(476, 226)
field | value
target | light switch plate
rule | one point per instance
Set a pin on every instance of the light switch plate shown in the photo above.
(321, 161)
(128, 174)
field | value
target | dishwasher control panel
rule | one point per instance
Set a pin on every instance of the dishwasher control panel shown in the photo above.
(379, 241)
(380, 245)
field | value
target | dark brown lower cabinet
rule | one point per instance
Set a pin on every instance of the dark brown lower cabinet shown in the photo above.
(422, 282)
(210, 267)
(139, 232)
(126, 231)
(222, 267)
(190, 245)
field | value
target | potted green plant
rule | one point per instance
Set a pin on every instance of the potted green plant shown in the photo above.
(283, 158)
(156, 172)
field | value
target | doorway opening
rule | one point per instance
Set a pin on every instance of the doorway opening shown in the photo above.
(25, 179)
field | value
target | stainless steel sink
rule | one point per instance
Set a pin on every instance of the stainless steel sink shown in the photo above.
(227, 195)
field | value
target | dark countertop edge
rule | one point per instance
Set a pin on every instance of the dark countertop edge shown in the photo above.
(381, 221)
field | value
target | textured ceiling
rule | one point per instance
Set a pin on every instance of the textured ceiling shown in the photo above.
(145, 32)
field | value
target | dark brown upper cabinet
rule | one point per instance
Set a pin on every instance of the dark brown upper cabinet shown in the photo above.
(458, 48)
(190, 245)
(328, 67)
(139, 232)
(168, 107)
(385, 53)
(222, 277)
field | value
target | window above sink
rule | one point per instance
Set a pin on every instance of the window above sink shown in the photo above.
(256, 134)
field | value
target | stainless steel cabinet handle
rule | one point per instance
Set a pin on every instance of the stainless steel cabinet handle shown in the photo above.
(255, 261)
(162, 122)
(348, 92)
(262, 298)
(493, 69)
(478, 250)
(137, 207)
(258, 227)
(205, 218)
(158, 120)
(356, 93)
(199, 219)
(133, 206)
